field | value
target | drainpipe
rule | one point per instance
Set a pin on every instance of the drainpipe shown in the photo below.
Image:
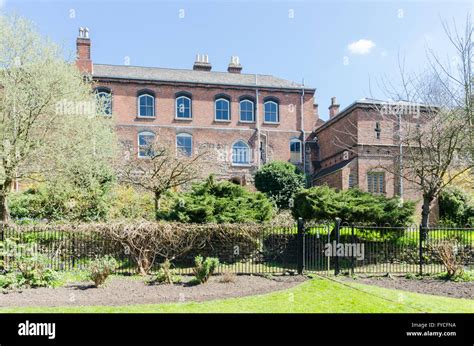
(257, 122)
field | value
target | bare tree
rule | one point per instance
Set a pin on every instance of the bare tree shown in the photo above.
(160, 170)
(430, 116)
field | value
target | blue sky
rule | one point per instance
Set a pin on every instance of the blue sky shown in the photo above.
(336, 46)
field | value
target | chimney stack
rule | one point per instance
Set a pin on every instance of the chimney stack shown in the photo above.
(202, 63)
(333, 108)
(234, 65)
(83, 51)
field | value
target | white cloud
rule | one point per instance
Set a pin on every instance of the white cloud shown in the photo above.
(361, 47)
(2, 3)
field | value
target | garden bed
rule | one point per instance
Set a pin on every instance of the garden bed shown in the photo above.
(134, 290)
(426, 285)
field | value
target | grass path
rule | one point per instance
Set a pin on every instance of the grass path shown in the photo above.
(316, 295)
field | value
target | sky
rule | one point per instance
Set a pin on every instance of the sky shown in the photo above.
(340, 48)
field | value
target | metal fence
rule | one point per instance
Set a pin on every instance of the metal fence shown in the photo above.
(323, 248)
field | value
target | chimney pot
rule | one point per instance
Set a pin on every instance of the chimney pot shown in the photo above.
(202, 63)
(333, 108)
(234, 65)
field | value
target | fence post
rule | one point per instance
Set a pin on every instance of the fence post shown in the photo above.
(421, 235)
(300, 244)
(337, 236)
(2, 238)
(353, 242)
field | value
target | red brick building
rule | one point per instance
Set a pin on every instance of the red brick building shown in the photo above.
(359, 147)
(246, 119)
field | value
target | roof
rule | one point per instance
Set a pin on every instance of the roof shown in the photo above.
(332, 169)
(361, 103)
(192, 76)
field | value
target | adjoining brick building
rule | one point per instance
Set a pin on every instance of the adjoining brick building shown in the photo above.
(248, 119)
(359, 147)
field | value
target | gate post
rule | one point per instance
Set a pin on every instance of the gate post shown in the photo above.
(337, 236)
(420, 244)
(300, 244)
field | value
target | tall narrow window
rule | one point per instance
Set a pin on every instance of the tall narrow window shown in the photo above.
(271, 112)
(145, 143)
(377, 130)
(183, 107)
(376, 182)
(246, 111)
(351, 181)
(146, 105)
(104, 101)
(184, 144)
(240, 153)
(222, 109)
(295, 151)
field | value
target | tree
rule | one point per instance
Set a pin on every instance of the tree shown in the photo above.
(280, 181)
(218, 202)
(323, 203)
(160, 171)
(48, 111)
(431, 116)
(456, 206)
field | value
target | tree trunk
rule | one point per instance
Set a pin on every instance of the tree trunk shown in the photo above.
(4, 211)
(425, 211)
(157, 204)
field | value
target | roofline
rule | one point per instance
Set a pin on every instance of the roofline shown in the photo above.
(296, 88)
(351, 107)
(336, 170)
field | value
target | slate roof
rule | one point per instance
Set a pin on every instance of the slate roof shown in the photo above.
(332, 169)
(192, 76)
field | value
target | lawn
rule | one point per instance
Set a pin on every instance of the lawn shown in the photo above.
(314, 296)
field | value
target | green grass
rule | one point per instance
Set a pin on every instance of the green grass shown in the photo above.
(316, 295)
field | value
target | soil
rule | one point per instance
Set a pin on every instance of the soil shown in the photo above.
(133, 290)
(426, 286)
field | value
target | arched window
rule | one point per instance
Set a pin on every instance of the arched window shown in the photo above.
(146, 105)
(247, 111)
(145, 143)
(222, 109)
(183, 107)
(184, 144)
(271, 112)
(295, 151)
(104, 101)
(240, 153)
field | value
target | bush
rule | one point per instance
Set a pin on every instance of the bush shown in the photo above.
(447, 252)
(101, 268)
(218, 202)
(279, 181)
(24, 267)
(203, 269)
(228, 277)
(128, 203)
(167, 275)
(323, 203)
(456, 207)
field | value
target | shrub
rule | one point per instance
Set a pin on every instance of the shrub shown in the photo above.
(166, 274)
(101, 268)
(203, 269)
(323, 203)
(128, 203)
(456, 207)
(447, 253)
(227, 277)
(218, 202)
(279, 181)
(25, 267)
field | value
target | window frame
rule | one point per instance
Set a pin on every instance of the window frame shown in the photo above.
(139, 146)
(371, 183)
(277, 105)
(146, 94)
(188, 135)
(221, 98)
(107, 91)
(249, 154)
(240, 111)
(181, 96)
(300, 159)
